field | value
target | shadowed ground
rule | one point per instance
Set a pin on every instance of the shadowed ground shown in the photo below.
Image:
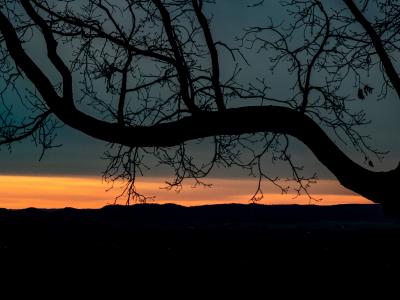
(249, 241)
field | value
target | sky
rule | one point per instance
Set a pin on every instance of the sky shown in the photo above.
(70, 175)
(55, 191)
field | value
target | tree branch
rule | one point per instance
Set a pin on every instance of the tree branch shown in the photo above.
(219, 98)
(378, 45)
(26, 64)
(102, 34)
(181, 68)
(310, 67)
(51, 50)
(28, 129)
(122, 97)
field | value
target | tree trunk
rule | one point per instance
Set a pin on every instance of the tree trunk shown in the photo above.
(379, 187)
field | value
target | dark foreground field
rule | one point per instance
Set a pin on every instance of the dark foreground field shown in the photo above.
(243, 241)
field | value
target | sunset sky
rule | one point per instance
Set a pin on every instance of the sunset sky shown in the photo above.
(20, 191)
(70, 176)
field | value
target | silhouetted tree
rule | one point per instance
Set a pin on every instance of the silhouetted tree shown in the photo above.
(146, 77)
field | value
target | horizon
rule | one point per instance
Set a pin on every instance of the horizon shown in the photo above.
(24, 191)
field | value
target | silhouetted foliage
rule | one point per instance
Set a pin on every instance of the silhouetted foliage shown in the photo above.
(146, 77)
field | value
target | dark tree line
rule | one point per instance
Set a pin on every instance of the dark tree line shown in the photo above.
(146, 77)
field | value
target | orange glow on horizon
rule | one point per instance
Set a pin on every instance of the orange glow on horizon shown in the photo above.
(90, 192)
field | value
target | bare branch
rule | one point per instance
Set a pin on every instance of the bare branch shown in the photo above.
(213, 54)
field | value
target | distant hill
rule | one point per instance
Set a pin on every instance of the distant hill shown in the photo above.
(176, 215)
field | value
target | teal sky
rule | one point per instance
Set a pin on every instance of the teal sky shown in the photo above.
(82, 155)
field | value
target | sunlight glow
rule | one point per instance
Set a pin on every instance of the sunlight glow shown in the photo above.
(90, 192)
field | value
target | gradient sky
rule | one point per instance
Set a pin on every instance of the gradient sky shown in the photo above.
(22, 191)
(73, 171)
